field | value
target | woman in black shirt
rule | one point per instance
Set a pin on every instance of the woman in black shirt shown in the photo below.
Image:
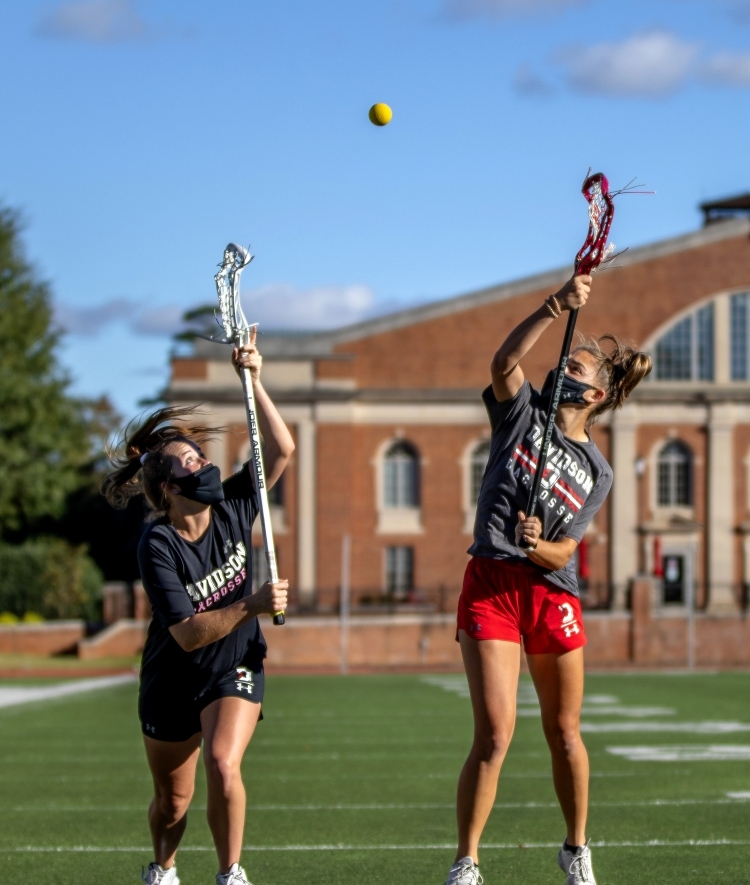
(202, 670)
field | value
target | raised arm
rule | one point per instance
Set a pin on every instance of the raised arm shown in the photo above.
(278, 444)
(507, 375)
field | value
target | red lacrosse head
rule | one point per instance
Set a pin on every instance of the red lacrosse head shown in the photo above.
(601, 212)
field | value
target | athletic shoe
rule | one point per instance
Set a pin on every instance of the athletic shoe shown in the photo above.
(156, 875)
(577, 865)
(235, 876)
(464, 872)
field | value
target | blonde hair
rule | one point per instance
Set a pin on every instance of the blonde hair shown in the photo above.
(618, 372)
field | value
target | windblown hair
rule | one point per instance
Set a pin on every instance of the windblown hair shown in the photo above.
(618, 372)
(152, 438)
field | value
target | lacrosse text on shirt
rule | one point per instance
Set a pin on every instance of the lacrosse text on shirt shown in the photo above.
(565, 484)
(574, 483)
(222, 580)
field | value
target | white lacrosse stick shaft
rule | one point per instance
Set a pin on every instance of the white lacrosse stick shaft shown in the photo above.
(256, 457)
(238, 329)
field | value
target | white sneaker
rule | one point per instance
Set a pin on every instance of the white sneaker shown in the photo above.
(235, 876)
(577, 865)
(156, 875)
(464, 872)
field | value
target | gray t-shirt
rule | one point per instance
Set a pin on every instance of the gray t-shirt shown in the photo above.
(576, 481)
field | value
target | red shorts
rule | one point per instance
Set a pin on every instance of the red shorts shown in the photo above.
(509, 600)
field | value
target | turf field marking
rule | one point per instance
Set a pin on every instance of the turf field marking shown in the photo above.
(732, 799)
(684, 727)
(10, 696)
(528, 703)
(685, 753)
(446, 846)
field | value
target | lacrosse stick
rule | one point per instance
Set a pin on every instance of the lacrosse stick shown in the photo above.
(594, 250)
(237, 332)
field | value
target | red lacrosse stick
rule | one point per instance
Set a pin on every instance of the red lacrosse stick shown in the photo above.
(595, 250)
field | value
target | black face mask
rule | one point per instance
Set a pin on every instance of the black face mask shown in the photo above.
(203, 486)
(572, 390)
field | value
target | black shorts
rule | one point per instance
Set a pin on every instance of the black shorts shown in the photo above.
(172, 718)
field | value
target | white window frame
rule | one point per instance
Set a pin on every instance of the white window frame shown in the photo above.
(664, 514)
(468, 507)
(395, 520)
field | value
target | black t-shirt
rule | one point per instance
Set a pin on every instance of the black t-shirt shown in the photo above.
(183, 578)
(575, 482)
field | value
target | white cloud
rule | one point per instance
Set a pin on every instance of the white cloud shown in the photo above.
(98, 21)
(89, 321)
(529, 84)
(727, 69)
(649, 65)
(462, 10)
(283, 306)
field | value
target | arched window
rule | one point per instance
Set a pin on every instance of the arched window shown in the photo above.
(477, 466)
(686, 351)
(401, 476)
(673, 475)
(739, 329)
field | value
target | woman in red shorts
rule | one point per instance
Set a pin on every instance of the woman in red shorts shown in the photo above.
(510, 595)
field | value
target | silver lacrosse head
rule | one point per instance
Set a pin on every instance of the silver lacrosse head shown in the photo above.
(227, 280)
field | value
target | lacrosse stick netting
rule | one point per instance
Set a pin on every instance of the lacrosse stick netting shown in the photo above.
(237, 331)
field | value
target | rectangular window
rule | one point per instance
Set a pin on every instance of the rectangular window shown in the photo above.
(704, 343)
(686, 351)
(674, 352)
(738, 336)
(260, 568)
(276, 493)
(399, 570)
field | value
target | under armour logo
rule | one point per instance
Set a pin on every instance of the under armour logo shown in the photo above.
(570, 629)
(151, 728)
(477, 628)
(244, 686)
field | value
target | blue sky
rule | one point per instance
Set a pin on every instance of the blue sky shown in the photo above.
(140, 137)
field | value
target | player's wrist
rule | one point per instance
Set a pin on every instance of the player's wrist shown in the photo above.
(552, 306)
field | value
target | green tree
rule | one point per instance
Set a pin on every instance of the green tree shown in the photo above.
(45, 445)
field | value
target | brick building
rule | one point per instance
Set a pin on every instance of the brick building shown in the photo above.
(391, 433)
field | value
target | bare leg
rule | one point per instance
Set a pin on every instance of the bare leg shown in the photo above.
(492, 668)
(228, 725)
(172, 767)
(559, 683)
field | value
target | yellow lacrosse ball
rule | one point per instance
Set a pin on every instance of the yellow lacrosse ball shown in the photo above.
(380, 114)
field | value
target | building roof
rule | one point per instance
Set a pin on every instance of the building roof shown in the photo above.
(311, 345)
(729, 207)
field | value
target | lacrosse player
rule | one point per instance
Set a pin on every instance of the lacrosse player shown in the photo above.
(510, 595)
(202, 670)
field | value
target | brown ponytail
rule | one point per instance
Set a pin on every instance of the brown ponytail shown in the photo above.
(619, 372)
(149, 441)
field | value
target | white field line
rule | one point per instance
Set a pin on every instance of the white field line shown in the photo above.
(445, 846)
(10, 696)
(684, 753)
(684, 727)
(732, 799)
(528, 703)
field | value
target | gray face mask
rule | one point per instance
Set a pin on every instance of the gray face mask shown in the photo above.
(203, 486)
(572, 390)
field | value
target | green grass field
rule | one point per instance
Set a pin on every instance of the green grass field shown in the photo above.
(352, 779)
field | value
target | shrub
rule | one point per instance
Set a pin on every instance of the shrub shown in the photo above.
(49, 578)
